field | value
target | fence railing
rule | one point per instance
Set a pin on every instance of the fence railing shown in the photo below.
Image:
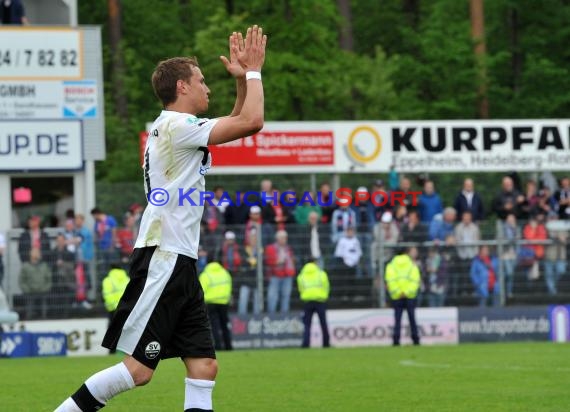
(52, 287)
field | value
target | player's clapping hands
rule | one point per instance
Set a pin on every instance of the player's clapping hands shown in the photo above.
(246, 54)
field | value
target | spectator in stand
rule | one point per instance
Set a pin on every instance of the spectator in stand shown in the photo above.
(303, 210)
(429, 203)
(267, 232)
(266, 185)
(126, 239)
(13, 12)
(2, 249)
(469, 200)
(484, 275)
(508, 200)
(348, 253)
(436, 278)
(531, 202)
(546, 201)
(364, 212)
(466, 233)
(137, 211)
(65, 280)
(400, 215)
(274, 212)
(365, 223)
(562, 198)
(202, 260)
(36, 283)
(237, 212)
(511, 234)
(442, 226)
(310, 241)
(280, 270)
(405, 187)
(69, 234)
(213, 218)
(326, 200)
(414, 230)
(393, 178)
(385, 232)
(33, 238)
(555, 259)
(105, 231)
(535, 230)
(230, 256)
(248, 281)
(84, 240)
(380, 198)
(341, 219)
(218, 193)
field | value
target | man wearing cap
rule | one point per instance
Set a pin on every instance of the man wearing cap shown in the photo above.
(252, 223)
(403, 282)
(230, 255)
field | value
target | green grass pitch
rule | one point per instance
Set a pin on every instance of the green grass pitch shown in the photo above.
(486, 377)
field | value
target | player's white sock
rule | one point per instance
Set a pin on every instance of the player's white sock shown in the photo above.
(68, 405)
(110, 382)
(98, 389)
(198, 394)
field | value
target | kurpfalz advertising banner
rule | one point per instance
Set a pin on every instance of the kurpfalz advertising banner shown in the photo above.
(504, 324)
(375, 327)
(267, 331)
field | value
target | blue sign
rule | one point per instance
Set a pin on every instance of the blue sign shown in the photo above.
(559, 323)
(25, 344)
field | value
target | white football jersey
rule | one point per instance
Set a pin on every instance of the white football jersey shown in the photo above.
(176, 159)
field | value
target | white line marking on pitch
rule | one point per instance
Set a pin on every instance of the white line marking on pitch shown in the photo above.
(415, 364)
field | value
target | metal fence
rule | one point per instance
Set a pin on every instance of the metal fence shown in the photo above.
(53, 287)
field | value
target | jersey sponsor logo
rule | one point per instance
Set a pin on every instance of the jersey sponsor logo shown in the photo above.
(152, 350)
(202, 122)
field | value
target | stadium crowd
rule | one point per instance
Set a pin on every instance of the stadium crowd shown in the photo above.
(351, 242)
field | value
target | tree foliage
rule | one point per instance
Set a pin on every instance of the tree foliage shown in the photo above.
(411, 59)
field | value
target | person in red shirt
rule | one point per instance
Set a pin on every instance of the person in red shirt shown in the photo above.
(126, 237)
(280, 269)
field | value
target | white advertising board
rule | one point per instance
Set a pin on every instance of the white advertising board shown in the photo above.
(411, 146)
(41, 145)
(374, 327)
(40, 53)
(84, 336)
(69, 99)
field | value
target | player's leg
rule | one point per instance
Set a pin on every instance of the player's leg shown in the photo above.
(106, 384)
(200, 381)
(322, 313)
(398, 310)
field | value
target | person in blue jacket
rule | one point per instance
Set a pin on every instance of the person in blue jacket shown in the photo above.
(485, 277)
(430, 203)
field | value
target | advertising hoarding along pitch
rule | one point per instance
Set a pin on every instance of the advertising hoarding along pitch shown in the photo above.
(411, 146)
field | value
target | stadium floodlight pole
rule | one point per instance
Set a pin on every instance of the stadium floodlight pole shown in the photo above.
(259, 247)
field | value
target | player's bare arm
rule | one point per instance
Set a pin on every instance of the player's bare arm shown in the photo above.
(236, 43)
(250, 119)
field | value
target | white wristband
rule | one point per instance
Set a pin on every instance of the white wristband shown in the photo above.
(252, 75)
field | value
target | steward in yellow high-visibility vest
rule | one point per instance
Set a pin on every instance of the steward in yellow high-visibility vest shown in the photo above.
(314, 289)
(403, 282)
(217, 286)
(114, 285)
